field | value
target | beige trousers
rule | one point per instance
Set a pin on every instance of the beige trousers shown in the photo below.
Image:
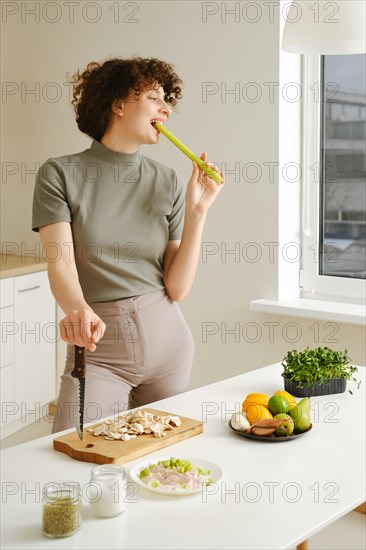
(145, 355)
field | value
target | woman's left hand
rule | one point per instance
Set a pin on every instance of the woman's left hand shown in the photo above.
(201, 189)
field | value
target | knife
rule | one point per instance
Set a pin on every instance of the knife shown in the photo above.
(79, 374)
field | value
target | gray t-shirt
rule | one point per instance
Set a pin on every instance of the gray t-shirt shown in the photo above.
(123, 209)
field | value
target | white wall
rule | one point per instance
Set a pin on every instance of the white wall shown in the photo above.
(226, 50)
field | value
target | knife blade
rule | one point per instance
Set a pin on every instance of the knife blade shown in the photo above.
(79, 374)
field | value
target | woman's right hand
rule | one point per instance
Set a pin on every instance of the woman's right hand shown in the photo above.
(82, 327)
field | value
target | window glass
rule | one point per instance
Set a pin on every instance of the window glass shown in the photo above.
(343, 167)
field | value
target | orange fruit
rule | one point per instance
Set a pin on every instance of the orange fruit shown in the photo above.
(290, 398)
(255, 399)
(257, 412)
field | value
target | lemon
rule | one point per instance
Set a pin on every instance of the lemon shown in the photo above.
(255, 399)
(256, 412)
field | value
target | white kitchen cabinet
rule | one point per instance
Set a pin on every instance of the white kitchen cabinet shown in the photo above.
(7, 292)
(7, 335)
(28, 370)
(7, 329)
(7, 393)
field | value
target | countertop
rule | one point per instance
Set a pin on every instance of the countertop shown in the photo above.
(271, 495)
(12, 265)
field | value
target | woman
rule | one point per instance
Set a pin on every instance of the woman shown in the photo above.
(121, 234)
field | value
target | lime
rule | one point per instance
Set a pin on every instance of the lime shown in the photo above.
(290, 398)
(278, 404)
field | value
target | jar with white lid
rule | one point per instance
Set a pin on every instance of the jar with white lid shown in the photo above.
(107, 490)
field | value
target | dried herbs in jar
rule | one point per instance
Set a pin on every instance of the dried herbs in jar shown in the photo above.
(61, 509)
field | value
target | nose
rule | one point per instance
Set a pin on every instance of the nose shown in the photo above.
(166, 108)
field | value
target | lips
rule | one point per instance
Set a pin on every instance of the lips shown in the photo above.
(152, 122)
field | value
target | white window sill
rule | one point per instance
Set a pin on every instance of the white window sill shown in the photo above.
(315, 309)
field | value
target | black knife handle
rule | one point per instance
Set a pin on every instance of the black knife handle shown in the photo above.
(80, 363)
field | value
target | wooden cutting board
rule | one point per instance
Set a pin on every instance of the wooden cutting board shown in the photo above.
(101, 451)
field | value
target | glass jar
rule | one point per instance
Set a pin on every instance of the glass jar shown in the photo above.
(61, 515)
(107, 490)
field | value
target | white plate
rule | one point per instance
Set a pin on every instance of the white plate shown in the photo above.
(216, 474)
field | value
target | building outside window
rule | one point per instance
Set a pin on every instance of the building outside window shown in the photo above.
(343, 167)
(334, 178)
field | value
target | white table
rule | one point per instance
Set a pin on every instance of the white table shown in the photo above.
(271, 496)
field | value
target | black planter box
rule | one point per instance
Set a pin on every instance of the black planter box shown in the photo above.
(327, 387)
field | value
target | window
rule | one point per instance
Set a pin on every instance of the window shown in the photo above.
(342, 178)
(334, 182)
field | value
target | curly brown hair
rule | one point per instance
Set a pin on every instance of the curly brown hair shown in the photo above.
(99, 85)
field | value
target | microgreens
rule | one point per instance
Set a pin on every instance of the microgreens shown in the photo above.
(313, 366)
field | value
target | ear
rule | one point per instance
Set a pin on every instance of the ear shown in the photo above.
(117, 108)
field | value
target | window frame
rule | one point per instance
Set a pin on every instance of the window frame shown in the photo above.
(313, 285)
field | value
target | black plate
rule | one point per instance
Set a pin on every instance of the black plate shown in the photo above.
(271, 438)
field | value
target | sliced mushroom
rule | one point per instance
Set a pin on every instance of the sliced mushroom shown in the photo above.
(136, 422)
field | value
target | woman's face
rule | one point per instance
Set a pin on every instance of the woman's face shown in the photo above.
(135, 124)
